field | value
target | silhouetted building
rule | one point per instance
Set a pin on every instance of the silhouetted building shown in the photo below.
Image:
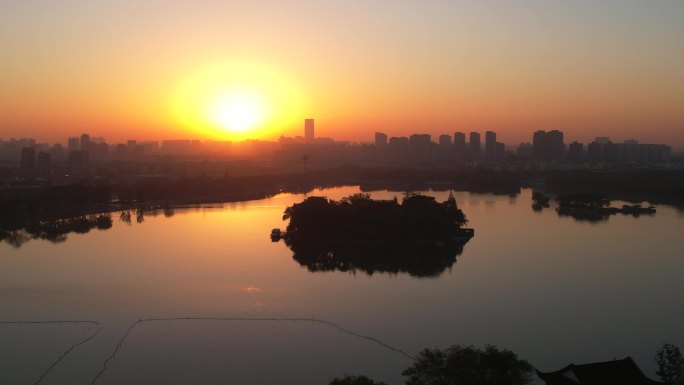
(500, 153)
(421, 147)
(602, 139)
(621, 372)
(445, 141)
(309, 130)
(611, 152)
(398, 148)
(460, 148)
(380, 139)
(44, 165)
(120, 150)
(595, 151)
(78, 163)
(444, 149)
(73, 144)
(525, 150)
(490, 145)
(85, 142)
(630, 150)
(27, 162)
(548, 145)
(576, 151)
(474, 148)
(131, 144)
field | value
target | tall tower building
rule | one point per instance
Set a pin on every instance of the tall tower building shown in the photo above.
(309, 130)
(45, 165)
(474, 146)
(490, 145)
(548, 145)
(27, 163)
(85, 142)
(73, 144)
(380, 139)
(459, 145)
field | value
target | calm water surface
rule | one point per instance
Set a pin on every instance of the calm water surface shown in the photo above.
(552, 289)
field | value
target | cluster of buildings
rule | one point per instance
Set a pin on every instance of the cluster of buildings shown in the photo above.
(549, 146)
(546, 146)
(31, 160)
(421, 148)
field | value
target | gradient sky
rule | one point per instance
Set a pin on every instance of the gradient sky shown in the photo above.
(129, 69)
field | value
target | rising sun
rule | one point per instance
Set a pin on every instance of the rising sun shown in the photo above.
(236, 100)
(237, 111)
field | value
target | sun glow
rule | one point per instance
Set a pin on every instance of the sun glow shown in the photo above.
(237, 100)
(237, 112)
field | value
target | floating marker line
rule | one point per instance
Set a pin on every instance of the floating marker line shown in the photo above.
(66, 352)
(314, 320)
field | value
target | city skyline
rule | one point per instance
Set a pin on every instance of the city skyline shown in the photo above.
(233, 72)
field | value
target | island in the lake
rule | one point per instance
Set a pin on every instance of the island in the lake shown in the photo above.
(418, 236)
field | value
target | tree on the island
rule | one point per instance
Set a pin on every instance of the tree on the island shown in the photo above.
(670, 364)
(355, 380)
(468, 366)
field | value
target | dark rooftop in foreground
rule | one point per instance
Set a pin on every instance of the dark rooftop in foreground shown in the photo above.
(617, 372)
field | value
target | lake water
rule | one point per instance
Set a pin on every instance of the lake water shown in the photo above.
(553, 290)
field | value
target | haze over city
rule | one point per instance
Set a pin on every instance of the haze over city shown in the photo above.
(233, 71)
(341, 192)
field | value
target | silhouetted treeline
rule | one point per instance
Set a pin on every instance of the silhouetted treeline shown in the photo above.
(633, 185)
(592, 207)
(473, 180)
(33, 203)
(55, 231)
(358, 217)
(418, 236)
(26, 204)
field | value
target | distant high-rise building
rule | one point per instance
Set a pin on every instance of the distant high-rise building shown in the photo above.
(490, 145)
(459, 146)
(57, 152)
(398, 148)
(309, 130)
(85, 142)
(474, 150)
(27, 163)
(576, 151)
(421, 147)
(380, 139)
(595, 151)
(120, 150)
(630, 150)
(73, 144)
(525, 150)
(500, 151)
(444, 149)
(445, 141)
(45, 165)
(548, 145)
(556, 144)
(78, 163)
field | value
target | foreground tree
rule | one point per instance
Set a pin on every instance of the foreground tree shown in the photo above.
(670, 364)
(468, 366)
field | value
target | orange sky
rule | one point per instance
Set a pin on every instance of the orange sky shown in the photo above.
(121, 70)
